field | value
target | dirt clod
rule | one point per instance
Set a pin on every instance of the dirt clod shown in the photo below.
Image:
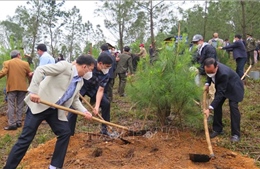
(97, 152)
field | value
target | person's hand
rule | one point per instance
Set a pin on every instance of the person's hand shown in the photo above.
(35, 98)
(30, 74)
(95, 111)
(206, 88)
(220, 47)
(206, 112)
(88, 115)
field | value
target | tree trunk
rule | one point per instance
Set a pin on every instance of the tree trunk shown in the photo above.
(121, 43)
(205, 19)
(242, 2)
(163, 112)
(151, 24)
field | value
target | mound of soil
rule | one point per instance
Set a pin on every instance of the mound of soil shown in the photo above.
(153, 150)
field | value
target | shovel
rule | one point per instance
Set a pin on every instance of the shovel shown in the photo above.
(83, 98)
(83, 114)
(130, 132)
(204, 157)
(89, 105)
(246, 72)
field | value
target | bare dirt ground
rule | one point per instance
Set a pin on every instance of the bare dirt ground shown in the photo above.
(156, 149)
(160, 150)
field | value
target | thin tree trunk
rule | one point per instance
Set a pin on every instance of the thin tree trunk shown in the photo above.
(243, 19)
(151, 24)
(205, 18)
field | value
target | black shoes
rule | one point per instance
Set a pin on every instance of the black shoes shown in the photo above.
(214, 134)
(18, 125)
(10, 127)
(235, 138)
(13, 127)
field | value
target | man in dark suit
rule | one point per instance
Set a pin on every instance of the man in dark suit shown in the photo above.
(239, 54)
(228, 85)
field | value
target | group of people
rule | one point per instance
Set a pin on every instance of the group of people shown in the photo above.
(61, 83)
(226, 83)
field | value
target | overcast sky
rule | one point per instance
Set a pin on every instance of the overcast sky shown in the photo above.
(86, 10)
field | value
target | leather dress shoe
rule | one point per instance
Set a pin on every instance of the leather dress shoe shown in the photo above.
(10, 127)
(235, 138)
(214, 134)
(18, 124)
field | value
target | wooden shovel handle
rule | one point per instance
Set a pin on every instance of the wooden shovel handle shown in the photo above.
(206, 125)
(83, 114)
(89, 105)
(246, 72)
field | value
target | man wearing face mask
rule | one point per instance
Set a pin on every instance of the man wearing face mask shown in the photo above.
(94, 87)
(205, 51)
(228, 86)
(57, 83)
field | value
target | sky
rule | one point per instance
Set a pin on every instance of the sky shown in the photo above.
(86, 10)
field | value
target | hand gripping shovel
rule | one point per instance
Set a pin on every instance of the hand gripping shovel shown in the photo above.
(83, 114)
(204, 157)
(130, 132)
(114, 132)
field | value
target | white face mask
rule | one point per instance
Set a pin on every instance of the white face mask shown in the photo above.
(88, 75)
(234, 40)
(199, 46)
(211, 75)
(105, 71)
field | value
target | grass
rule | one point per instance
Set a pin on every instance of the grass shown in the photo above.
(126, 113)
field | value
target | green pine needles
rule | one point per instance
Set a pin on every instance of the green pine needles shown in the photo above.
(167, 85)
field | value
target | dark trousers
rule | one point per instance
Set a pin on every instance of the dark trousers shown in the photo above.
(135, 60)
(122, 83)
(250, 58)
(105, 109)
(31, 124)
(109, 88)
(234, 116)
(240, 66)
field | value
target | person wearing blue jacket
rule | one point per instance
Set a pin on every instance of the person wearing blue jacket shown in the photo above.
(239, 54)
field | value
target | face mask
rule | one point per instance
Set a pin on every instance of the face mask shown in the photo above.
(105, 71)
(87, 75)
(211, 75)
(234, 40)
(199, 46)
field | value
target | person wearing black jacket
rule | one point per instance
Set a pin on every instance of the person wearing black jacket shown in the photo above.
(228, 86)
(239, 54)
(205, 51)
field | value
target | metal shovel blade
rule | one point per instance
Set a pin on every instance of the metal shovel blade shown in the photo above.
(199, 158)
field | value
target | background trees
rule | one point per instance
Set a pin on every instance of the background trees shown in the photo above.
(130, 21)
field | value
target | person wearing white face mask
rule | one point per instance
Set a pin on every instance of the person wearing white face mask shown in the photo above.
(205, 51)
(57, 83)
(88, 75)
(94, 87)
(228, 86)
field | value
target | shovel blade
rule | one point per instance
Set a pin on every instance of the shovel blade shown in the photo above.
(199, 157)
